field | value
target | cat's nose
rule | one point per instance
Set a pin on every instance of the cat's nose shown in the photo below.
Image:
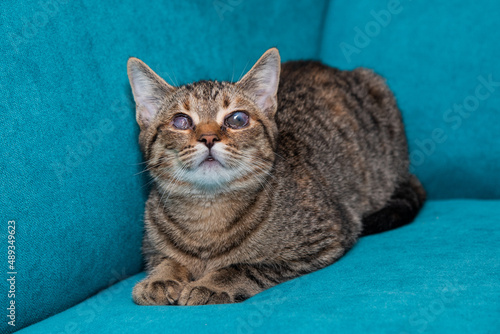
(209, 139)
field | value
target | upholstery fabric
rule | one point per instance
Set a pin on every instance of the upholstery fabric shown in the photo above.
(69, 158)
(441, 60)
(440, 274)
(70, 168)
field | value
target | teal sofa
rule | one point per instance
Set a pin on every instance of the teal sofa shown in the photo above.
(72, 187)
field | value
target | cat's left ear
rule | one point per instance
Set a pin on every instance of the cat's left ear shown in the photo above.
(150, 91)
(261, 82)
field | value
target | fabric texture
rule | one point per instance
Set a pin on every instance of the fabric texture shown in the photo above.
(439, 274)
(441, 60)
(69, 159)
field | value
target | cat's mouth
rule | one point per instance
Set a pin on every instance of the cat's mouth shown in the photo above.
(210, 161)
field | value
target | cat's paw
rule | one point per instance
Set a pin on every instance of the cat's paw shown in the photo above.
(202, 295)
(157, 292)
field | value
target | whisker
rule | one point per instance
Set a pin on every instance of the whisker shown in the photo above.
(232, 77)
(156, 164)
(263, 164)
(245, 167)
(174, 177)
(244, 68)
(170, 78)
(161, 172)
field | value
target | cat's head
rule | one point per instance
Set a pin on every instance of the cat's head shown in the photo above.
(209, 136)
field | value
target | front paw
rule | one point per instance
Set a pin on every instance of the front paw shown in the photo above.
(157, 292)
(202, 295)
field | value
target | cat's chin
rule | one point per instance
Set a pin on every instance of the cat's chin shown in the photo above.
(210, 165)
(210, 175)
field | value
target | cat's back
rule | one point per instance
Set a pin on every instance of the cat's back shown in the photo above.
(343, 126)
(309, 88)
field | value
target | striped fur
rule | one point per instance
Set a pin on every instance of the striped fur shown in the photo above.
(320, 161)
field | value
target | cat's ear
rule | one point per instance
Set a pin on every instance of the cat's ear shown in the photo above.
(262, 81)
(150, 91)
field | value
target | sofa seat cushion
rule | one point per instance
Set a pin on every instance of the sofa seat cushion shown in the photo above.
(440, 273)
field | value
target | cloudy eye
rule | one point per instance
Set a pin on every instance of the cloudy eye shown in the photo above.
(237, 120)
(182, 122)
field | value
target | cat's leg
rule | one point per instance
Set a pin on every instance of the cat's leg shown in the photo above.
(400, 210)
(233, 284)
(163, 285)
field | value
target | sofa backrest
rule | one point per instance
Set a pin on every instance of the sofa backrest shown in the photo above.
(442, 61)
(69, 157)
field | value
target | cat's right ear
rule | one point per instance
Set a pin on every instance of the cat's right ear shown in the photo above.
(150, 91)
(261, 82)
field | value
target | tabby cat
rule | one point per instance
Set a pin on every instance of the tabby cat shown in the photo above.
(266, 179)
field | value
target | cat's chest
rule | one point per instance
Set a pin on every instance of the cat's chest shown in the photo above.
(202, 250)
(207, 257)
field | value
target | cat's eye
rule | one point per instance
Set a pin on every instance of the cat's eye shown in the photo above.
(237, 120)
(182, 122)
